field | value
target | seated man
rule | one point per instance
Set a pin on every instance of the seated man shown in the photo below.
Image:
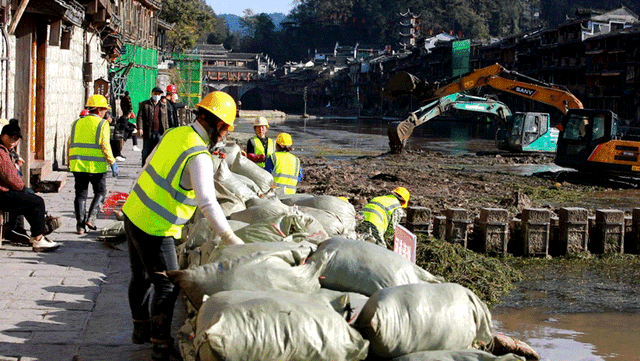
(15, 198)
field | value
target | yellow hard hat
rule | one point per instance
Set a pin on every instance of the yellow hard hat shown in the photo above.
(260, 121)
(97, 101)
(344, 199)
(284, 139)
(221, 105)
(404, 194)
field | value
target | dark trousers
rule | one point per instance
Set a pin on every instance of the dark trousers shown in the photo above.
(116, 147)
(149, 255)
(148, 143)
(28, 204)
(98, 183)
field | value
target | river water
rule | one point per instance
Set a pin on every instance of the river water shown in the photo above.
(565, 316)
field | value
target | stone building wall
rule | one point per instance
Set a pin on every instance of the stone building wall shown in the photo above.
(65, 90)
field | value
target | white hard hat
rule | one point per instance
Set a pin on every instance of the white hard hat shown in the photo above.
(260, 121)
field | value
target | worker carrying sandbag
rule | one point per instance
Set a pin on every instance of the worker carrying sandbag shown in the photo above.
(381, 216)
(284, 166)
(177, 177)
(260, 147)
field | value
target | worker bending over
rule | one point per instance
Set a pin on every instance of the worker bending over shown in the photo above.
(260, 147)
(177, 178)
(381, 216)
(284, 166)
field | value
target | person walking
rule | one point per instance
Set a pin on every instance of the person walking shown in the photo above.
(381, 216)
(126, 105)
(284, 166)
(152, 122)
(15, 198)
(89, 153)
(260, 147)
(177, 178)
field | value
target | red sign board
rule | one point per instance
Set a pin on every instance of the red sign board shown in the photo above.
(404, 243)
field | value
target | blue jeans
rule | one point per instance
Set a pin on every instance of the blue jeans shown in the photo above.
(148, 143)
(148, 255)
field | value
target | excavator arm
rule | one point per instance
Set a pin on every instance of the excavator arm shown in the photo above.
(494, 76)
(399, 132)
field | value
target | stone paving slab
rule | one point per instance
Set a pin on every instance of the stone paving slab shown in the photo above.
(70, 304)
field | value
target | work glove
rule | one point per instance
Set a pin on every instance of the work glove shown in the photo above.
(115, 169)
(231, 238)
(256, 158)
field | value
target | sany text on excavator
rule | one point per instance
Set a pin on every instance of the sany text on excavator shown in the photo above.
(516, 133)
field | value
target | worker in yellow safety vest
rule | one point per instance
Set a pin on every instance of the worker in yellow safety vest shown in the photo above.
(89, 153)
(284, 166)
(381, 216)
(177, 178)
(260, 147)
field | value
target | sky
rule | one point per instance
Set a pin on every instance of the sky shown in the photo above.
(258, 6)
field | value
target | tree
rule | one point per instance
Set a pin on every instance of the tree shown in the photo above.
(191, 19)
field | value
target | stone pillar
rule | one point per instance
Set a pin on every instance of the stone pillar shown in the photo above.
(535, 231)
(494, 231)
(634, 245)
(573, 235)
(418, 219)
(457, 226)
(439, 227)
(608, 234)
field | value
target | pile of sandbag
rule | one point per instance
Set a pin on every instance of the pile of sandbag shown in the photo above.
(302, 288)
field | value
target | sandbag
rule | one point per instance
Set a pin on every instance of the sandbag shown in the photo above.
(247, 168)
(229, 202)
(293, 226)
(457, 355)
(231, 150)
(294, 254)
(347, 304)
(264, 201)
(255, 214)
(363, 267)
(250, 325)
(291, 199)
(341, 208)
(330, 222)
(114, 230)
(255, 272)
(230, 181)
(249, 183)
(422, 317)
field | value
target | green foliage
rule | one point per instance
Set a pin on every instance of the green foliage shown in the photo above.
(191, 20)
(487, 277)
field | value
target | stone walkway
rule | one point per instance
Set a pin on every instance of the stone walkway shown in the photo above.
(70, 304)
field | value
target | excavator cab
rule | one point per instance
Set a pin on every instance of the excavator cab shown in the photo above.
(588, 142)
(530, 132)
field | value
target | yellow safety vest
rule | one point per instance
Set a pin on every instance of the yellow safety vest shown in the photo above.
(85, 153)
(258, 148)
(158, 205)
(379, 210)
(286, 169)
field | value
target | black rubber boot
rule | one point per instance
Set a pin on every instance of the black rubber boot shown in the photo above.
(96, 203)
(141, 331)
(80, 205)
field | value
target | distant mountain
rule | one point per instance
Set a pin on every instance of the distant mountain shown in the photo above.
(234, 21)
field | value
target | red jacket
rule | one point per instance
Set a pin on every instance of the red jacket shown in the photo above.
(9, 176)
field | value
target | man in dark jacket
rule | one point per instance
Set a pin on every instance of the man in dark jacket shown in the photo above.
(152, 121)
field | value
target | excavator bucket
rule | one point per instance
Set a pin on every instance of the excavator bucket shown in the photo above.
(403, 83)
(398, 133)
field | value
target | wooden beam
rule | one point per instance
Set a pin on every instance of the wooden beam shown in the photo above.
(18, 16)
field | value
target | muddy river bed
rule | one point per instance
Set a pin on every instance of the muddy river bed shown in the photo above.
(578, 309)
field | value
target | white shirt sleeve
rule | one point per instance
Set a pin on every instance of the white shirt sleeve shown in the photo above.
(198, 175)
